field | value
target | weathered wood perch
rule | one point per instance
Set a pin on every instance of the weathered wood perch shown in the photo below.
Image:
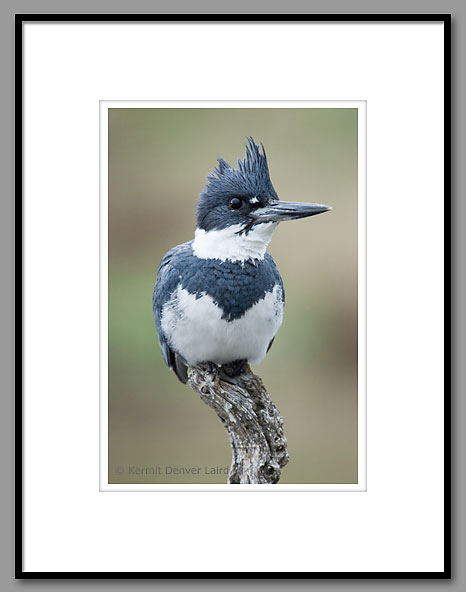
(254, 425)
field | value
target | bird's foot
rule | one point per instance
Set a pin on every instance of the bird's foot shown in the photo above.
(235, 368)
(210, 370)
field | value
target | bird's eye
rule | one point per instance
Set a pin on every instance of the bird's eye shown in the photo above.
(235, 203)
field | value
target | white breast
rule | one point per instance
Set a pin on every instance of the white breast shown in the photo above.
(195, 329)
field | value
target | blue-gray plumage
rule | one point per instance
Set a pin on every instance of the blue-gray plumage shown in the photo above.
(219, 298)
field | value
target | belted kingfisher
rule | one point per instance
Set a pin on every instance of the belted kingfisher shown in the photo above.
(219, 298)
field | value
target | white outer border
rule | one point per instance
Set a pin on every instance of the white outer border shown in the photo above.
(362, 428)
(398, 524)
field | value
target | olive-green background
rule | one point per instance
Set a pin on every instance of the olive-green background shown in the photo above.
(158, 161)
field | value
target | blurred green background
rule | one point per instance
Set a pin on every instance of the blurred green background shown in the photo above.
(158, 161)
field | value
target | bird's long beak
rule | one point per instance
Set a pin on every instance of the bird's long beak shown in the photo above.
(280, 211)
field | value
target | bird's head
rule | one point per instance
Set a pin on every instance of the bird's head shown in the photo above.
(242, 202)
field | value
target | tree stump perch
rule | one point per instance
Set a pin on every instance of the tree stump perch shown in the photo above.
(254, 425)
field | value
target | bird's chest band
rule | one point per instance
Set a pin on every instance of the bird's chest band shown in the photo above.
(233, 287)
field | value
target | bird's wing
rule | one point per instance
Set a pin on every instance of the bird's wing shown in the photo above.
(168, 277)
(278, 280)
(270, 344)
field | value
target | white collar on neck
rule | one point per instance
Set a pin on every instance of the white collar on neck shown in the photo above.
(227, 244)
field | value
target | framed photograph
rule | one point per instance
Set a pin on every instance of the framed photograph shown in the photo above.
(190, 191)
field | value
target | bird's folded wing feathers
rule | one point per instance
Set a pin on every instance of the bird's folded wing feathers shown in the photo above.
(166, 283)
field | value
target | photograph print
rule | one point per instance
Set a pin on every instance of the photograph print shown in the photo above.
(233, 348)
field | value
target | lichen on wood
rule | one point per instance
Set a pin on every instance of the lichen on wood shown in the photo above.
(253, 423)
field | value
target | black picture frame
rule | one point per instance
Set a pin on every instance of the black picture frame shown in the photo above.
(20, 19)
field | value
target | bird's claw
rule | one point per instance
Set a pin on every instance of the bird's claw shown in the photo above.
(235, 368)
(210, 370)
